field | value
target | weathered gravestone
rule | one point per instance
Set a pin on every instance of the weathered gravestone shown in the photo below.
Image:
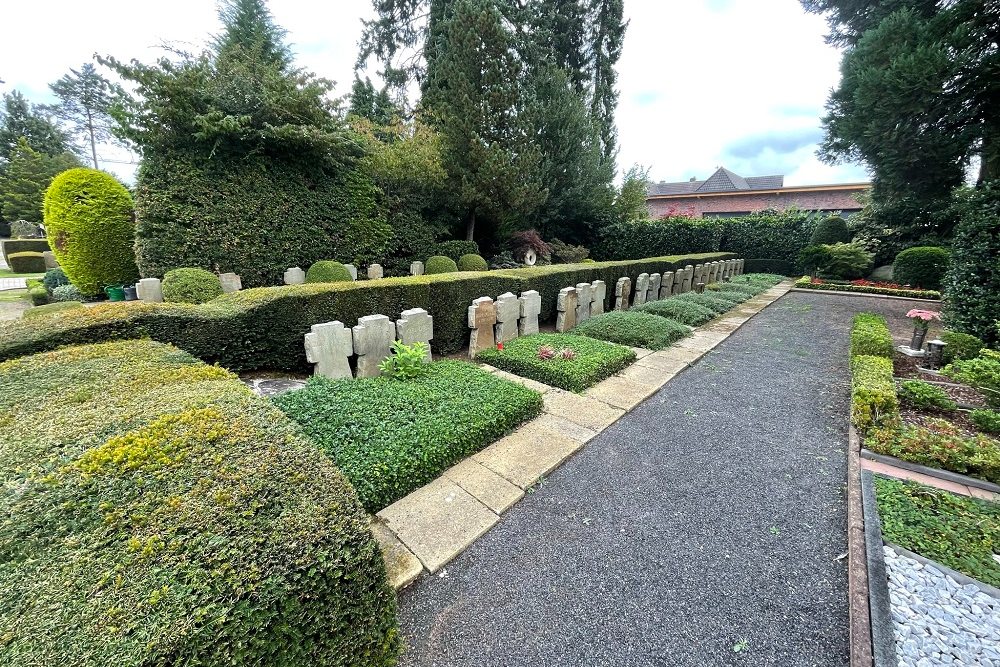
(295, 276)
(530, 305)
(584, 298)
(686, 278)
(329, 346)
(623, 288)
(375, 272)
(678, 282)
(417, 269)
(415, 326)
(598, 293)
(700, 274)
(50, 260)
(667, 285)
(230, 283)
(654, 287)
(508, 310)
(373, 338)
(482, 319)
(740, 267)
(566, 309)
(149, 290)
(641, 289)
(353, 270)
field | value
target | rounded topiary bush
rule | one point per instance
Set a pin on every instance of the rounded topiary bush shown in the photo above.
(923, 266)
(54, 278)
(191, 286)
(440, 264)
(472, 263)
(90, 226)
(327, 271)
(829, 231)
(66, 293)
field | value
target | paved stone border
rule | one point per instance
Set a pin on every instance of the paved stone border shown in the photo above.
(936, 481)
(892, 297)
(861, 623)
(434, 524)
(946, 475)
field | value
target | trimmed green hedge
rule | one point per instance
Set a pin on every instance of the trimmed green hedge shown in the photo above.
(593, 360)
(26, 262)
(870, 335)
(960, 346)
(23, 245)
(328, 271)
(49, 308)
(191, 286)
(263, 328)
(805, 282)
(472, 263)
(440, 264)
(390, 437)
(873, 392)
(633, 328)
(685, 312)
(164, 515)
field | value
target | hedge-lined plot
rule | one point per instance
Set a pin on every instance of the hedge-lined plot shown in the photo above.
(390, 437)
(633, 328)
(165, 515)
(685, 312)
(873, 392)
(940, 445)
(588, 361)
(870, 336)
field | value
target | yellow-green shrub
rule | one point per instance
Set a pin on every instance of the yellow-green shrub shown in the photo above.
(873, 392)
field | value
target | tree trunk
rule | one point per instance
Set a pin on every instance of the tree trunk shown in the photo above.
(989, 165)
(93, 143)
(470, 227)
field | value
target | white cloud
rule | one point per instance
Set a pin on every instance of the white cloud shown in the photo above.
(696, 78)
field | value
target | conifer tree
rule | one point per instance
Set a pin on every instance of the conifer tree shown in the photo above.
(27, 176)
(85, 100)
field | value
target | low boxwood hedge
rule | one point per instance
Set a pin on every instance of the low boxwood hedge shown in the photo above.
(263, 328)
(163, 515)
(685, 312)
(390, 437)
(592, 360)
(870, 336)
(49, 308)
(633, 328)
(873, 392)
(23, 245)
(26, 261)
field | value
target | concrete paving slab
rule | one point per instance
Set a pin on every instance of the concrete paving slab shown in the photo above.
(400, 563)
(652, 377)
(485, 485)
(641, 352)
(666, 360)
(571, 430)
(587, 412)
(620, 392)
(528, 454)
(529, 383)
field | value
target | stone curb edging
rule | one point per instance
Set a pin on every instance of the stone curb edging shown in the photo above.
(425, 530)
(867, 294)
(883, 639)
(858, 560)
(946, 475)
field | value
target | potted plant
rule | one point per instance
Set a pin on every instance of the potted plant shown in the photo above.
(921, 322)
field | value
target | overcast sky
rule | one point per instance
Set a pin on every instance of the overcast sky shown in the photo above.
(704, 83)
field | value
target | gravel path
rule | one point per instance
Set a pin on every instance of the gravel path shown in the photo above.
(938, 621)
(707, 527)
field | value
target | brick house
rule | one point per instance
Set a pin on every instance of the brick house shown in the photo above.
(725, 194)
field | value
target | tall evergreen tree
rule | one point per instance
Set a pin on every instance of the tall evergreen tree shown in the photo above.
(27, 176)
(85, 101)
(607, 37)
(251, 31)
(19, 118)
(375, 105)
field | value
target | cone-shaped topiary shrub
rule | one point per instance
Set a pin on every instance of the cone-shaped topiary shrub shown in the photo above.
(327, 271)
(90, 226)
(191, 286)
(440, 264)
(472, 263)
(922, 267)
(830, 230)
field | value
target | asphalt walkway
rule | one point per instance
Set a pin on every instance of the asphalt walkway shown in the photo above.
(707, 527)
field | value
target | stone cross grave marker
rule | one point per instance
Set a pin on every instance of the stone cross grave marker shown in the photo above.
(530, 307)
(566, 306)
(689, 277)
(482, 319)
(230, 283)
(375, 272)
(678, 282)
(373, 338)
(353, 270)
(654, 287)
(641, 289)
(584, 299)
(295, 276)
(700, 273)
(666, 285)
(417, 269)
(149, 290)
(329, 346)
(598, 293)
(623, 288)
(508, 310)
(716, 272)
(415, 326)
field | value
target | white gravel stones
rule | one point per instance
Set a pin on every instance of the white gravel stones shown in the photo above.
(938, 621)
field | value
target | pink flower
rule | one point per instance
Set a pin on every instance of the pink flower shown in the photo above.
(923, 315)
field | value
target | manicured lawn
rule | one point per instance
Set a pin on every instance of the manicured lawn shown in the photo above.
(957, 531)
(633, 328)
(6, 296)
(7, 273)
(390, 437)
(592, 360)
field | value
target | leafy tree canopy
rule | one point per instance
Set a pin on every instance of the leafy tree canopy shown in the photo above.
(85, 100)
(27, 176)
(18, 119)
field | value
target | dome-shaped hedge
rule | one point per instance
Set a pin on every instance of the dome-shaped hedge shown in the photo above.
(191, 286)
(440, 264)
(830, 230)
(90, 226)
(326, 271)
(923, 266)
(472, 263)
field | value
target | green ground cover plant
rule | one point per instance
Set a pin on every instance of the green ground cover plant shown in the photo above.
(390, 437)
(940, 444)
(191, 286)
(873, 392)
(987, 421)
(685, 312)
(49, 308)
(588, 362)
(962, 533)
(870, 336)
(925, 396)
(634, 329)
(166, 515)
(983, 373)
(718, 302)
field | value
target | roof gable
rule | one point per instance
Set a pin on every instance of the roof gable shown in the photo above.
(723, 180)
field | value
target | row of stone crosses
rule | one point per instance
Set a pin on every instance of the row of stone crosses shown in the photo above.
(296, 276)
(331, 345)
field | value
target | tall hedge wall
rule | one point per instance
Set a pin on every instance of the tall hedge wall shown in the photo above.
(163, 515)
(263, 328)
(253, 216)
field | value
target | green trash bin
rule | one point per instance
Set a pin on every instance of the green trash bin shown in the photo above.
(115, 292)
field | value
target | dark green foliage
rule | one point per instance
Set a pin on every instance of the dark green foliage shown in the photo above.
(960, 346)
(46, 309)
(630, 206)
(830, 230)
(842, 261)
(210, 526)
(24, 179)
(26, 262)
(327, 271)
(472, 263)
(440, 264)
(54, 278)
(84, 103)
(778, 266)
(564, 253)
(925, 396)
(38, 295)
(685, 312)
(953, 530)
(717, 302)
(20, 119)
(634, 239)
(590, 362)
(390, 437)
(870, 336)
(923, 267)
(939, 444)
(973, 280)
(633, 328)
(873, 392)
(191, 286)
(89, 225)
(456, 249)
(983, 373)
(987, 421)
(812, 258)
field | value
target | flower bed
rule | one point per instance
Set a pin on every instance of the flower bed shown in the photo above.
(542, 357)
(940, 444)
(390, 437)
(956, 531)
(866, 287)
(634, 329)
